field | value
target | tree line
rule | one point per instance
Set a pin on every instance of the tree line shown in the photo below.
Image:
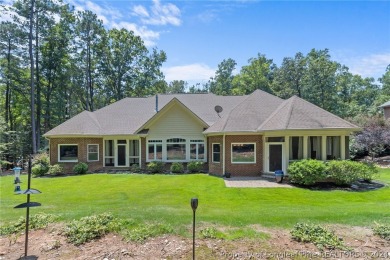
(56, 62)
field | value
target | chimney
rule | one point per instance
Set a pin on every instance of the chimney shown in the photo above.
(156, 103)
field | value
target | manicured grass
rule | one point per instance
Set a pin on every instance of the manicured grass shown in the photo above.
(166, 199)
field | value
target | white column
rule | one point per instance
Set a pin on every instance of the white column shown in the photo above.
(342, 147)
(323, 148)
(287, 150)
(305, 137)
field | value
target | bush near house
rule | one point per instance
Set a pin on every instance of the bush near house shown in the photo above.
(55, 169)
(177, 167)
(155, 167)
(306, 172)
(347, 172)
(195, 166)
(80, 168)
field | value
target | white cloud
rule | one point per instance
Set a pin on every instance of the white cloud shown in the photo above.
(373, 65)
(161, 14)
(196, 72)
(370, 65)
(139, 10)
(147, 35)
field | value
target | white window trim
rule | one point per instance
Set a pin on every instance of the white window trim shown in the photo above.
(88, 145)
(154, 150)
(197, 151)
(181, 142)
(212, 153)
(231, 153)
(59, 153)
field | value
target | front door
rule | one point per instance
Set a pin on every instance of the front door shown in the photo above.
(275, 153)
(121, 155)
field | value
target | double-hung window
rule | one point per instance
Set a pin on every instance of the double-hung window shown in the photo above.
(216, 152)
(197, 149)
(93, 152)
(155, 150)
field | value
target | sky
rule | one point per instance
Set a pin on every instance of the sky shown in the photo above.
(198, 35)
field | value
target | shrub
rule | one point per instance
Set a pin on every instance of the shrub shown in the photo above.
(41, 158)
(306, 172)
(383, 231)
(135, 168)
(91, 227)
(55, 169)
(145, 231)
(80, 168)
(195, 166)
(177, 167)
(209, 232)
(39, 170)
(155, 167)
(40, 164)
(318, 235)
(347, 172)
(37, 221)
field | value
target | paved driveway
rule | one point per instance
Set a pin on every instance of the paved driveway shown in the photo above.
(254, 182)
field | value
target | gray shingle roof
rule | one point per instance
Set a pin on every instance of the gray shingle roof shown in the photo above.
(129, 114)
(259, 111)
(296, 113)
(387, 104)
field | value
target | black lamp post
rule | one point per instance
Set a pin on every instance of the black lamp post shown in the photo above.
(194, 205)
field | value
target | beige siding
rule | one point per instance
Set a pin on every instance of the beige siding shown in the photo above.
(176, 122)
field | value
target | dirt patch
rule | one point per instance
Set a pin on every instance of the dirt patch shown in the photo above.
(51, 244)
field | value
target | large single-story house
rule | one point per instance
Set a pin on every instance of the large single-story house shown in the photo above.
(241, 135)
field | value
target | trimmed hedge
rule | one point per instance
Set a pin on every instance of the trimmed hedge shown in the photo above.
(308, 172)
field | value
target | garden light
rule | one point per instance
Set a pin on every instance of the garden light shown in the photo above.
(194, 205)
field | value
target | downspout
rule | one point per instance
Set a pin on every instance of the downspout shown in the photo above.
(224, 153)
(156, 103)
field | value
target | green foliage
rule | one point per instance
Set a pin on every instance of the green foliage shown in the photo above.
(37, 221)
(318, 235)
(88, 228)
(209, 232)
(135, 168)
(40, 164)
(39, 170)
(41, 158)
(347, 172)
(382, 230)
(80, 168)
(144, 231)
(306, 172)
(177, 167)
(55, 169)
(195, 166)
(155, 167)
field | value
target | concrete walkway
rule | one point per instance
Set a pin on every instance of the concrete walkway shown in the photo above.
(254, 182)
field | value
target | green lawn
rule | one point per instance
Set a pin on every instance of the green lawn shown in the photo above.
(166, 198)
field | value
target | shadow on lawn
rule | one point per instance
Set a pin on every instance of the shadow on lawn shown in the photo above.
(359, 186)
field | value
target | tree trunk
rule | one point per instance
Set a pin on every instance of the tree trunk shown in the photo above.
(38, 86)
(32, 94)
(8, 89)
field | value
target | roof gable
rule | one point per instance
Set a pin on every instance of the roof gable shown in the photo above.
(173, 103)
(297, 113)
